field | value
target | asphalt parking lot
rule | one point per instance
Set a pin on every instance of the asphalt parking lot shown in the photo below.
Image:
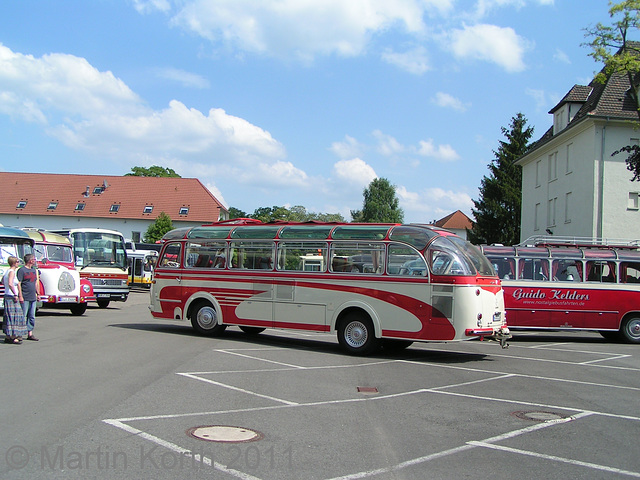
(127, 396)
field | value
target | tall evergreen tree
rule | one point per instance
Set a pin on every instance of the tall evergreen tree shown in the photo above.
(497, 211)
(380, 204)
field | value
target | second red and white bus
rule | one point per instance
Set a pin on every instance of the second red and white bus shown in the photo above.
(552, 283)
(372, 284)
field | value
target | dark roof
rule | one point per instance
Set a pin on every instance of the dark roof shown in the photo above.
(99, 192)
(611, 99)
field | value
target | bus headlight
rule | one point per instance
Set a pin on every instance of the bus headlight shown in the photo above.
(86, 288)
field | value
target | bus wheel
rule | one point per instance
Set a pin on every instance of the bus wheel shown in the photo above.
(204, 319)
(103, 303)
(252, 330)
(356, 335)
(78, 308)
(631, 329)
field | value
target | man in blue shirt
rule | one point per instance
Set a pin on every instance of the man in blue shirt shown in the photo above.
(28, 278)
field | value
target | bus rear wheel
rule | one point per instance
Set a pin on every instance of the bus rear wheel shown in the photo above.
(356, 335)
(252, 330)
(78, 308)
(204, 319)
(630, 329)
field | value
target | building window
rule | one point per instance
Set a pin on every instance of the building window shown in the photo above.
(148, 209)
(98, 190)
(634, 202)
(135, 236)
(114, 208)
(553, 166)
(80, 206)
(538, 167)
(551, 212)
(184, 211)
(569, 168)
(52, 205)
(536, 217)
(21, 204)
(567, 208)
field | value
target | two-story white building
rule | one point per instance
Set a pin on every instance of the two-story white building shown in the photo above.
(571, 183)
(128, 204)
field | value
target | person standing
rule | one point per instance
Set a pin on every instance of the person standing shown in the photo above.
(28, 278)
(13, 322)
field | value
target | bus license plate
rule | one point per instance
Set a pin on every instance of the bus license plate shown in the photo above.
(497, 317)
(104, 295)
(68, 299)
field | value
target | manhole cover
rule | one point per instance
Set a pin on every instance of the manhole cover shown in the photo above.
(224, 433)
(539, 416)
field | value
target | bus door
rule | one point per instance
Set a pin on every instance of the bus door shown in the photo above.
(600, 310)
(167, 291)
(296, 299)
(252, 267)
(531, 296)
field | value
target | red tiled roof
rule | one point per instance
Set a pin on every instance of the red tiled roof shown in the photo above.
(454, 221)
(133, 194)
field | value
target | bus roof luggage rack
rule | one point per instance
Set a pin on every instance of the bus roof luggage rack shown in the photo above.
(584, 242)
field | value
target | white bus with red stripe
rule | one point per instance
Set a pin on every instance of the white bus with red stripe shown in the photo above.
(60, 283)
(571, 284)
(373, 284)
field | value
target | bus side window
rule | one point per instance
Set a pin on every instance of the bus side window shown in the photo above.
(405, 261)
(171, 256)
(567, 270)
(629, 272)
(505, 267)
(252, 255)
(533, 269)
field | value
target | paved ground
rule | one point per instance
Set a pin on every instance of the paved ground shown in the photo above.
(117, 394)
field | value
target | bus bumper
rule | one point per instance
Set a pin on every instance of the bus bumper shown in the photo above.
(500, 335)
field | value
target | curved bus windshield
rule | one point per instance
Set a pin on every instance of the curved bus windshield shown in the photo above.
(99, 248)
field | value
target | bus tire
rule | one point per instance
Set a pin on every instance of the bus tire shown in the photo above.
(356, 335)
(630, 329)
(252, 330)
(103, 303)
(204, 319)
(78, 308)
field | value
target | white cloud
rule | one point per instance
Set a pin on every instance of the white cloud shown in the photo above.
(187, 79)
(500, 45)
(349, 148)
(539, 97)
(449, 101)
(388, 145)
(300, 28)
(355, 171)
(413, 61)
(562, 57)
(149, 6)
(432, 203)
(484, 7)
(444, 153)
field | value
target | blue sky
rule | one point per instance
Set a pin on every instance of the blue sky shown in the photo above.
(287, 102)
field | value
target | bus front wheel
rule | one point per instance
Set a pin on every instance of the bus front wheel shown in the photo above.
(103, 303)
(204, 319)
(78, 308)
(356, 335)
(631, 329)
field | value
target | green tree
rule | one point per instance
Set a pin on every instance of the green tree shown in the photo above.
(610, 44)
(237, 213)
(497, 211)
(380, 204)
(153, 171)
(157, 229)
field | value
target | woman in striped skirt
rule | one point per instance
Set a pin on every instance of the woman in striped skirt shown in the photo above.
(13, 322)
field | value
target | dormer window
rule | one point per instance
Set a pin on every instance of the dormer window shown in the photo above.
(80, 206)
(148, 209)
(184, 211)
(114, 208)
(52, 205)
(21, 204)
